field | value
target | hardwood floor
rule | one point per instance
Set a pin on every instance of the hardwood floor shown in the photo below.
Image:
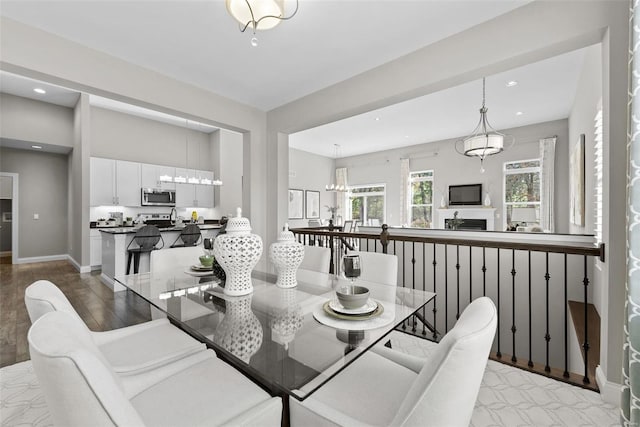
(96, 304)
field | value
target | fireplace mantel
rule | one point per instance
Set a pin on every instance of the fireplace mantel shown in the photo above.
(487, 214)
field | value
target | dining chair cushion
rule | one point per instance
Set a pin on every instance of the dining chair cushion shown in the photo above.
(81, 388)
(378, 267)
(169, 259)
(130, 349)
(316, 258)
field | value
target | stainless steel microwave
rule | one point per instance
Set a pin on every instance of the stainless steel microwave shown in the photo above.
(158, 197)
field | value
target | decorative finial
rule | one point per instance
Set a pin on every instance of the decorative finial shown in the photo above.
(286, 226)
(238, 212)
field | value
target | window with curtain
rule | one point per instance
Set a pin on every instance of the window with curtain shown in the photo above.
(521, 190)
(367, 203)
(421, 201)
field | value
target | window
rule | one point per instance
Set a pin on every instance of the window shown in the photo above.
(367, 203)
(521, 190)
(421, 202)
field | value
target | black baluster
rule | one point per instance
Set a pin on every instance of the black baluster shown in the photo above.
(413, 267)
(513, 305)
(458, 281)
(498, 353)
(484, 272)
(566, 321)
(435, 310)
(446, 288)
(586, 324)
(424, 286)
(368, 245)
(547, 337)
(530, 335)
(470, 275)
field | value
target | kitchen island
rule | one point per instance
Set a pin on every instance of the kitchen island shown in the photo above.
(115, 241)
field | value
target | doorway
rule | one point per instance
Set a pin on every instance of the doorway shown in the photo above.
(8, 218)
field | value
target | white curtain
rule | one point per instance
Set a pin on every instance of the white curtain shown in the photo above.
(341, 179)
(547, 168)
(404, 191)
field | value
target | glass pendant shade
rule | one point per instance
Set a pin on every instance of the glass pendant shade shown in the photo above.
(266, 13)
(483, 145)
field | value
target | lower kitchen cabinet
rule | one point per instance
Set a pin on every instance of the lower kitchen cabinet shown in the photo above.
(95, 248)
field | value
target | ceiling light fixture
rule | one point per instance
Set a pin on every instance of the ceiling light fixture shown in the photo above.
(40, 91)
(37, 147)
(484, 140)
(258, 14)
(511, 83)
(519, 113)
(335, 187)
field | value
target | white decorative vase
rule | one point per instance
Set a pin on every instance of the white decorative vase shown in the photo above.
(237, 252)
(487, 200)
(286, 255)
(443, 202)
(240, 331)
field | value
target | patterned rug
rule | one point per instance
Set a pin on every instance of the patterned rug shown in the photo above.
(513, 397)
(508, 396)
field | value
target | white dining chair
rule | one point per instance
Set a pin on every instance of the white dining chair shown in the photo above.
(171, 258)
(377, 267)
(316, 258)
(81, 388)
(130, 349)
(402, 391)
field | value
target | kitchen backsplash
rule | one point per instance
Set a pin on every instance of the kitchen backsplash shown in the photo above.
(103, 211)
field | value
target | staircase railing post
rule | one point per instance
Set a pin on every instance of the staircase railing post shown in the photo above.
(384, 238)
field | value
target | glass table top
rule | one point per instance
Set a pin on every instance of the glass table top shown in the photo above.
(272, 334)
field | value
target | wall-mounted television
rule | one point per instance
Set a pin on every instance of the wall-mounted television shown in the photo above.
(470, 194)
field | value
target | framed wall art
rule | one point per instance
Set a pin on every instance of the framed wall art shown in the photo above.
(296, 204)
(313, 204)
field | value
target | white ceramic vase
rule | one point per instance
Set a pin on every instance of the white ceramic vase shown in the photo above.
(286, 255)
(237, 252)
(487, 200)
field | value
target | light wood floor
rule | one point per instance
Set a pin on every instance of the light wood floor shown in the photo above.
(95, 303)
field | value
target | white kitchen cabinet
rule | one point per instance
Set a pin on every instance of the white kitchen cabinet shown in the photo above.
(95, 247)
(114, 182)
(194, 195)
(150, 176)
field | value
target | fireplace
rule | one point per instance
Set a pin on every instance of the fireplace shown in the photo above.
(467, 224)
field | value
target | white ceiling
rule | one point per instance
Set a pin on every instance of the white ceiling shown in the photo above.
(326, 42)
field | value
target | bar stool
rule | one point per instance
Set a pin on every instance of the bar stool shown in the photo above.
(190, 236)
(146, 238)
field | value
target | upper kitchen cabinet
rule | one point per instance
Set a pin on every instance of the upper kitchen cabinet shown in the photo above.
(190, 195)
(114, 182)
(151, 176)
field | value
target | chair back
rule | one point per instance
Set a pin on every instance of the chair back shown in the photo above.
(170, 258)
(147, 237)
(190, 235)
(316, 258)
(78, 384)
(42, 297)
(315, 223)
(446, 389)
(348, 226)
(377, 267)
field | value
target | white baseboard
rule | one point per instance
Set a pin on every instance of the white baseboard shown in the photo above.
(30, 260)
(80, 268)
(609, 391)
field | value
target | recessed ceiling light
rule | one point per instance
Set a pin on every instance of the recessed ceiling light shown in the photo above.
(40, 91)
(377, 119)
(511, 83)
(37, 147)
(406, 136)
(519, 113)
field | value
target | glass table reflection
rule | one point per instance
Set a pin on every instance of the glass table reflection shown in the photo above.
(271, 335)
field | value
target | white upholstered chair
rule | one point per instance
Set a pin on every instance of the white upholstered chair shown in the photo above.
(400, 390)
(81, 388)
(129, 350)
(168, 259)
(378, 267)
(316, 258)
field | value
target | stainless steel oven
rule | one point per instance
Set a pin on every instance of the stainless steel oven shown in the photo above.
(158, 197)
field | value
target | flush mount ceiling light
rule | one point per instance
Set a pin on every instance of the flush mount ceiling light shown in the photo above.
(258, 14)
(335, 187)
(40, 91)
(484, 140)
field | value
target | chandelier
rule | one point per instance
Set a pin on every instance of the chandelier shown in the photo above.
(335, 187)
(484, 140)
(258, 14)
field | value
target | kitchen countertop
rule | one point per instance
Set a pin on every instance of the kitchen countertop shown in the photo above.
(132, 230)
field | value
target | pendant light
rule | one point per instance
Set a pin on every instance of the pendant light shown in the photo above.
(484, 140)
(258, 14)
(335, 187)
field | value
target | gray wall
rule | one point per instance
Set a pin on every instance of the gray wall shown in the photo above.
(121, 136)
(42, 190)
(312, 172)
(5, 231)
(228, 152)
(29, 120)
(451, 168)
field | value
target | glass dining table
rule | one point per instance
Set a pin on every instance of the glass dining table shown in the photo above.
(290, 341)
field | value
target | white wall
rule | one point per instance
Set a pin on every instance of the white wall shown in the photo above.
(309, 171)
(228, 149)
(451, 168)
